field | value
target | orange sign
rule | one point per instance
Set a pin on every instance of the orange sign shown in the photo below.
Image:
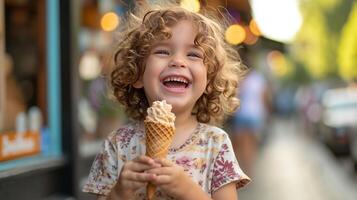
(14, 145)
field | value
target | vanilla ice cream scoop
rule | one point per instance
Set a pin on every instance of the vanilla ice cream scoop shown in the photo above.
(160, 112)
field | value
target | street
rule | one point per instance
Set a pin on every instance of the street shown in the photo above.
(291, 165)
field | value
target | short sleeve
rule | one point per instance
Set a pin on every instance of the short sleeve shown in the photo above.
(104, 171)
(226, 168)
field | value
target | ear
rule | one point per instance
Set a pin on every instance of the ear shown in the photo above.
(138, 84)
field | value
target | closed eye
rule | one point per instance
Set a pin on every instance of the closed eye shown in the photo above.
(162, 52)
(195, 55)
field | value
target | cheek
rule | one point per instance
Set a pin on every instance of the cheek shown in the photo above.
(202, 77)
(153, 65)
(151, 75)
(149, 68)
(204, 73)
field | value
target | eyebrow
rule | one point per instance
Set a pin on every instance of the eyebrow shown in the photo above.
(167, 44)
(160, 44)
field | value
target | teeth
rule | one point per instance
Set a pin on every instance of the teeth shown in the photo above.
(177, 79)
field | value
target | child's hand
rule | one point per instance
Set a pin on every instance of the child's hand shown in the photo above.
(133, 176)
(172, 179)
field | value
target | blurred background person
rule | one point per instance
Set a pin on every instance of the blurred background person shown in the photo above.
(249, 120)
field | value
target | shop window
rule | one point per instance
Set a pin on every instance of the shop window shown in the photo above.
(29, 128)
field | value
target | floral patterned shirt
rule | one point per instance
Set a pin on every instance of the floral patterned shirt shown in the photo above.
(207, 156)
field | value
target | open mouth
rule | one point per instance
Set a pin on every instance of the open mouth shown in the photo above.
(176, 82)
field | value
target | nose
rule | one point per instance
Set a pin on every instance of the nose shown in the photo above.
(178, 61)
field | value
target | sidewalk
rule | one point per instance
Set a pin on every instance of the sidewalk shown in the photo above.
(293, 167)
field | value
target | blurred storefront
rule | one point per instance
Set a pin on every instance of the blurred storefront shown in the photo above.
(54, 108)
(34, 161)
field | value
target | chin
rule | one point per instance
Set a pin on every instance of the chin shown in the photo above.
(179, 106)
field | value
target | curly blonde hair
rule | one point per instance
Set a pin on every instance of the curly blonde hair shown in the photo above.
(224, 66)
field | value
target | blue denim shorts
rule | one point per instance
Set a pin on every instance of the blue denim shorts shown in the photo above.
(245, 122)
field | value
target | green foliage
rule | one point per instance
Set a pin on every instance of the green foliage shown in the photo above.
(312, 45)
(301, 75)
(347, 51)
(316, 44)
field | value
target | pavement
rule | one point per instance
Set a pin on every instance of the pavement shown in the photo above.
(293, 166)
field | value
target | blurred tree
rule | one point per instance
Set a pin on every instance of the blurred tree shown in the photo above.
(347, 51)
(299, 75)
(315, 46)
(312, 45)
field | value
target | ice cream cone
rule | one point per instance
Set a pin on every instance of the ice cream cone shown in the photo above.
(159, 130)
(158, 141)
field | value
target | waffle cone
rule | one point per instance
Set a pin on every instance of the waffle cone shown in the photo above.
(158, 140)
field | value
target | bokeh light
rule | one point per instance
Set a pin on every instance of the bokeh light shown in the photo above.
(109, 21)
(253, 27)
(278, 20)
(235, 34)
(277, 63)
(191, 5)
(89, 66)
(250, 38)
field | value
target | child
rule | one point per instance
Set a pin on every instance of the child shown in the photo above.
(181, 57)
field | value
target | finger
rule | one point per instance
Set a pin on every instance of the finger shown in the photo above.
(140, 167)
(145, 160)
(164, 162)
(141, 163)
(160, 171)
(161, 180)
(139, 177)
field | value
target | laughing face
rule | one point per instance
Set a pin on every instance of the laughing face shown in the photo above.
(174, 70)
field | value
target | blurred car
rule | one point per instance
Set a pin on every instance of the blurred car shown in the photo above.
(339, 120)
(308, 100)
(353, 146)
